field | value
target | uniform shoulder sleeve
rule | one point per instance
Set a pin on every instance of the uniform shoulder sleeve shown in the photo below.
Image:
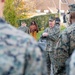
(61, 51)
(35, 60)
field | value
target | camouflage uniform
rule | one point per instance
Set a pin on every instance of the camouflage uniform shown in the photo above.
(64, 48)
(19, 55)
(72, 64)
(51, 42)
(65, 45)
(25, 29)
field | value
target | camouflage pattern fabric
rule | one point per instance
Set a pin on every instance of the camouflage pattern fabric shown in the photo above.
(52, 37)
(17, 50)
(25, 29)
(51, 43)
(71, 7)
(48, 62)
(64, 49)
(72, 64)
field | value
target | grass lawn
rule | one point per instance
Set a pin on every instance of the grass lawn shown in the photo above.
(39, 34)
(62, 28)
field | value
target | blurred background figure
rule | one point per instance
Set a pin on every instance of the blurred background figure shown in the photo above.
(34, 29)
(57, 20)
(20, 54)
(71, 65)
(24, 27)
(64, 18)
(67, 18)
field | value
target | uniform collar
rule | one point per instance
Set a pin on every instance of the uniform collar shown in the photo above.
(2, 20)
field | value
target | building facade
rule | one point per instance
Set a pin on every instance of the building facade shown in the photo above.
(53, 5)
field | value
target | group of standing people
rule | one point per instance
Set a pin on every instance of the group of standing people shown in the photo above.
(32, 29)
(51, 33)
(60, 56)
(60, 46)
(20, 54)
(63, 59)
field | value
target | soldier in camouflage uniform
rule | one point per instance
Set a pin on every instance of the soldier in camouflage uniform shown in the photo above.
(24, 28)
(72, 64)
(19, 53)
(65, 45)
(51, 33)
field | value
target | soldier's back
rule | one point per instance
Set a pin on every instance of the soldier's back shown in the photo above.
(70, 37)
(64, 48)
(18, 53)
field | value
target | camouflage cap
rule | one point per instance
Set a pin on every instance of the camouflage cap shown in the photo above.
(72, 8)
(51, 18)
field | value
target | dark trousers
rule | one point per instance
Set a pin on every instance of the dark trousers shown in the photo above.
(48, 62)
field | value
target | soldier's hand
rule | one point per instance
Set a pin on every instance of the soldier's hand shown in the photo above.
(45, 34)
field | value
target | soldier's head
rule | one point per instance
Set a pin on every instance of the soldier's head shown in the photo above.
(72, 8)
(51, 22)
(57, 20)
(72, 13)
(23, 23)
(1, 7)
